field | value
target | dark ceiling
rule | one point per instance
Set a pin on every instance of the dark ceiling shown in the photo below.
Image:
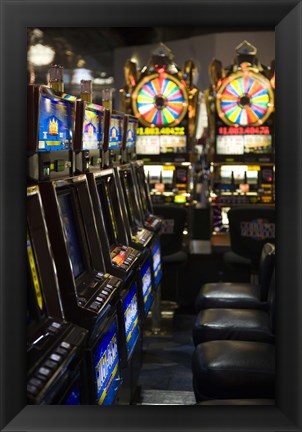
(94, 45)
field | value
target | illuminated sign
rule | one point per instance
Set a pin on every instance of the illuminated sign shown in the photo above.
(55, 124)
(177, 130)
(258, 229)
(130, 309)
(131, 133)
(106, 364)
(249, 130)
(92, 133)
(157, 268)
(147, 286)
(115, 133)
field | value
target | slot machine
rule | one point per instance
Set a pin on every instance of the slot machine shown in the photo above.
(89, 295)
(170, 183)
(112, 145)
(89, 132)
(138, 236)
(51, 114)
(240, 106)
(165, 101)
(55, 347)
(152, 222)
(129, 264)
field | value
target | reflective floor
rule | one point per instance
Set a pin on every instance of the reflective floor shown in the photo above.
(166, 374)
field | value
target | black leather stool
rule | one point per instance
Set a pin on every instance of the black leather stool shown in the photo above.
(237, 324)
(240, 295)
(233, 370)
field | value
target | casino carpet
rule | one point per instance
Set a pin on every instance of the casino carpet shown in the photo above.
(166, 374)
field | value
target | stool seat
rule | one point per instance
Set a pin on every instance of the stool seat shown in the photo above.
(225, 369)
(241, 295)
(235, 324)
(237, 295)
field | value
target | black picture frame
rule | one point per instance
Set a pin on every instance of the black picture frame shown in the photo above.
(285, 16)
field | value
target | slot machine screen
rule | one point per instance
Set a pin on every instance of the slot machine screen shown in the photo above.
(73, 398)
(56, 124)
(260, 144)
(92, 128)
(148, 145)
(130, 311)
(131, 134)
(157, 267)
(167, 176)
(143, 192)
(252, 176)
(129, 193)
(73, 240)
(115, 132)
(147, 286)
(229, 145)
(173, 144)
(106, 366)
(103, 187)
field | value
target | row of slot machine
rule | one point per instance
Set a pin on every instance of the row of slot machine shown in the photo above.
(94, 260)
(233, 119)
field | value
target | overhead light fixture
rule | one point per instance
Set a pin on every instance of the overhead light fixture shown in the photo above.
(81, 74)
(40, 55)
(103, 81)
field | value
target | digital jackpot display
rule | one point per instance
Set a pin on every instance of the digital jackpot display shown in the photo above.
(147, 286)
(92, 127)
(130, 312)
(115, 131)
(155, 140)
(106, 366)
(56, 123)
(157, 267)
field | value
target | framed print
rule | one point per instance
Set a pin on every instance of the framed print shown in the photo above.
(282, 16)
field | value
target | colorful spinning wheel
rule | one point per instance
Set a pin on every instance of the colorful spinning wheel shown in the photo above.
(160, 100)
(245, 98)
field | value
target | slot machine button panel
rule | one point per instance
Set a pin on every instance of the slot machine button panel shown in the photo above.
(51, 364)
(56, 357)
(45, 372)
(54, 327)
(32, 389)
(66, 345)
(100, 300)
(61, 351)
(35, 382)
(95, 306)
